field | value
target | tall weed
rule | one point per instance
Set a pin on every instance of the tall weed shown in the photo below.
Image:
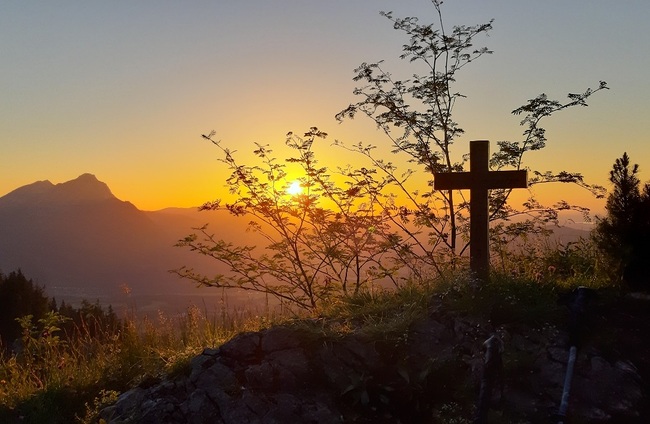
(59, 377)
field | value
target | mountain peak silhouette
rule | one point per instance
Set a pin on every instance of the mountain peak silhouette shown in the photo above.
(83, 188)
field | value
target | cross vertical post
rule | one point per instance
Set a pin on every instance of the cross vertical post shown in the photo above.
(479, 180)
(479, 256)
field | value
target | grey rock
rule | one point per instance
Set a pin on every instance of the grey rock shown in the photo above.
(286, 375)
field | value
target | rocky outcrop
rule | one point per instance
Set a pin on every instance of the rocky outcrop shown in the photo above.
(429, 373)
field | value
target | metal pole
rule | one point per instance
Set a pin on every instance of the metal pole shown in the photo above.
(564, 404)
(492, 366)
(576, 329)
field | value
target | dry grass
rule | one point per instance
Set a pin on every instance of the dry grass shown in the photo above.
(62, 379)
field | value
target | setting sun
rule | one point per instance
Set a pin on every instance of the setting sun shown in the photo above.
(294, 189)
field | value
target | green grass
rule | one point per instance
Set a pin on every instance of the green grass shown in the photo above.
(66, 380)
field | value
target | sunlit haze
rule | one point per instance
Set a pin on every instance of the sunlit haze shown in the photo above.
(124, 90)
(295, 188)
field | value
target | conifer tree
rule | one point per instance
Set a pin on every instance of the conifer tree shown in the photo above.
(622, 236)
(19, 296)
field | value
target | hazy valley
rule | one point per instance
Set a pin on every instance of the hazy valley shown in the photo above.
(79, 241)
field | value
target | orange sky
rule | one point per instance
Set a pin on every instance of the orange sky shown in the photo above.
(124, 90)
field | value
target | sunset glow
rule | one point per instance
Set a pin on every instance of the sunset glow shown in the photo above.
(125, 90)
(294, 189)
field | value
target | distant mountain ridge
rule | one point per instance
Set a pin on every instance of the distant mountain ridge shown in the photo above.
(80, 241)
(85, 188)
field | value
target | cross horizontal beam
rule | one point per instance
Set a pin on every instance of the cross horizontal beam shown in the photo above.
(468, 180)
(479, 180)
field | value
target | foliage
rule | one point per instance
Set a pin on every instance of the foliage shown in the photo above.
(539, 258)
(380, 314)
(63, 377)
(528, 282)
(72, 375)
(623, 235)
(416, 115)
(41, 344)
(369, 225)
(420, 390)
(19, 297)
(317, 252)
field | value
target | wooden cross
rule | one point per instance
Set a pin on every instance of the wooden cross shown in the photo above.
(479, 180)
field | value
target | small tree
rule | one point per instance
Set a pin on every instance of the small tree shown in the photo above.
(337, 239)
(316, 253)
(416, 115)
(623, 235)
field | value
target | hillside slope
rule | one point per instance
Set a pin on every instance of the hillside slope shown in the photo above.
(79, 241)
